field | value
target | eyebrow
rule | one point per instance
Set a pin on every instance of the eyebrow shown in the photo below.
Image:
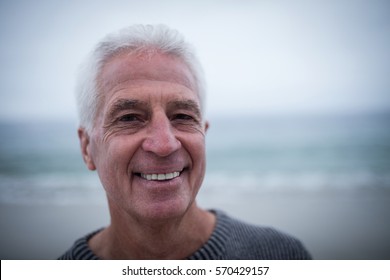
(189, 105)
(125, 104)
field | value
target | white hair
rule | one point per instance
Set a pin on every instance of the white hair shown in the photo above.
(136, 38)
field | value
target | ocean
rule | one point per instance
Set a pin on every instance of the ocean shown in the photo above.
(40, 162)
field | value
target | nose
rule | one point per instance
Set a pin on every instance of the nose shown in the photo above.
(161, 139)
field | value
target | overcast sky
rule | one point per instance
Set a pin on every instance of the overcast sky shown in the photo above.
(259, 56)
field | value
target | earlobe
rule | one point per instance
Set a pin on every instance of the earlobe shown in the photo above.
(85, 148)
(206, 126)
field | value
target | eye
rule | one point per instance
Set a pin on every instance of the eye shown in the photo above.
(183, 117)
(129, 118)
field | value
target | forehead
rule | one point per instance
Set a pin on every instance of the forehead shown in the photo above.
(130, 69)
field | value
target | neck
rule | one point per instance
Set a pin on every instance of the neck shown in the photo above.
(176, 238)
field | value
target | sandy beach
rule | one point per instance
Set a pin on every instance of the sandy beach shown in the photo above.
(332, 225)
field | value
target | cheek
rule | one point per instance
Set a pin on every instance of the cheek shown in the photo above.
(199, 149)
(113, 161)
(196, 149)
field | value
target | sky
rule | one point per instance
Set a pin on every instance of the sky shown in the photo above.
(259, 57)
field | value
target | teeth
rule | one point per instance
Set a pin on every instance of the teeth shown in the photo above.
(160, 177)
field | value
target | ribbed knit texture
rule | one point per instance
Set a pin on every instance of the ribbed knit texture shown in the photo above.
(231, 240)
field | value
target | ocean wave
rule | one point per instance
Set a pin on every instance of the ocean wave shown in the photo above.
(310, 181)
(86, 188)
(51, 189)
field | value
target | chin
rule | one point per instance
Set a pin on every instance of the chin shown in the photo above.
(165, 210)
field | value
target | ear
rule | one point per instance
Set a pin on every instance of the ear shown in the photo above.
(85, 148)
(206, 126)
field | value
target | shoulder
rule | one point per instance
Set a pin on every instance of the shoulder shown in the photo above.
(246, 241)
(80, 249)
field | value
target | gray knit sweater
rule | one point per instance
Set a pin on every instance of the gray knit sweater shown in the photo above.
(231, 240)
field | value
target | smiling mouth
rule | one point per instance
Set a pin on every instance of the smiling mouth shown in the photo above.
(160, 177)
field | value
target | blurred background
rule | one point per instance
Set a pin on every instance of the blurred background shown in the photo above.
(298, 101)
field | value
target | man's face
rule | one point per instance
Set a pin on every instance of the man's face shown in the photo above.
(148, 141)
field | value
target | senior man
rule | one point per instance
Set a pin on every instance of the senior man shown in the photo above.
(140, 97)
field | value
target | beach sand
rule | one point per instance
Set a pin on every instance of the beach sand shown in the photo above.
(332, 225)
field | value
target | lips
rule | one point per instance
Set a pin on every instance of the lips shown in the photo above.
(160, 176)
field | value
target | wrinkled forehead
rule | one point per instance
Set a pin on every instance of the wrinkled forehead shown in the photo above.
(125, 67)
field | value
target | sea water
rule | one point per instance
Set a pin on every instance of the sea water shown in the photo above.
(40, 162)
